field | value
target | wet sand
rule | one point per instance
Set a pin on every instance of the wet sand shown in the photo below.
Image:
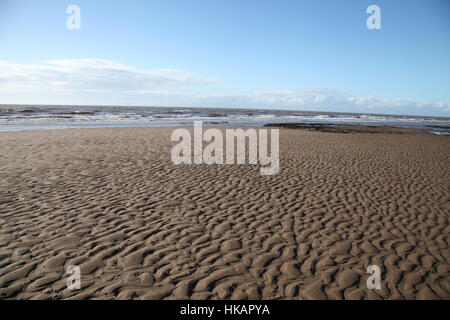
(139, 227)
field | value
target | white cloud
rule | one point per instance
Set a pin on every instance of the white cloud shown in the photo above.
(96, 81)
(91, 75)
(327, 100)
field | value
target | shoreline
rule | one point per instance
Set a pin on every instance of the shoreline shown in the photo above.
(311, 126)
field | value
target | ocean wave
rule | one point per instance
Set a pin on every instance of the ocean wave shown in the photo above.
(48, 116)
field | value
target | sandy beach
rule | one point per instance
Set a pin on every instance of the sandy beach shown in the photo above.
(139, 227)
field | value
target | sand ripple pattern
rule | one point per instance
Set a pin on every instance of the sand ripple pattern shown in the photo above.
(110, 201)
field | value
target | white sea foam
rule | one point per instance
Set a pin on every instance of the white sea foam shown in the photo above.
(36, 117)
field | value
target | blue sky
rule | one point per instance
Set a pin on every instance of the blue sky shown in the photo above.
(304, 55)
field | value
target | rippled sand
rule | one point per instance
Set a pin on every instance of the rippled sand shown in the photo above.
(112, 202)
